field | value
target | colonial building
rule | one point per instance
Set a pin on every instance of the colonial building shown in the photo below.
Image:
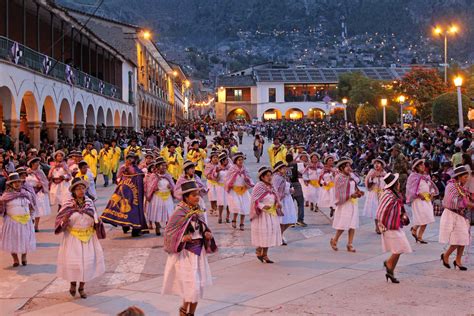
(159, 84)
(57, 75)
(267, 91)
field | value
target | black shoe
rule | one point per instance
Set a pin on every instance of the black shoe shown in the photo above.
(331, 213)
(391, 277)
(462, 268)
(136, 233)
(446, 265)
(125, 229)
(302, 224)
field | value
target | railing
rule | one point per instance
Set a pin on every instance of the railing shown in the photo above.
(306, 98)
(55, 69)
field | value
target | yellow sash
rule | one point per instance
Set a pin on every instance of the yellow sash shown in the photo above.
(164, 195)
(212, 182)
(427, 197)
(354, 201)
(22, 219)
(240, 190)
(314, 183)
(83, 234)
(329, 186)
(272, 210)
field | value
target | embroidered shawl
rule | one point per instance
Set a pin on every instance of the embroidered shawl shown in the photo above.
(456, 197)
(342, 188)
(233, 173)
(413, 184)
(10, 195)
(177, 188)
(69, 207)
(260, 191)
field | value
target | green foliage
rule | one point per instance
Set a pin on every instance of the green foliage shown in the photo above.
(445, 109)
(366, 114)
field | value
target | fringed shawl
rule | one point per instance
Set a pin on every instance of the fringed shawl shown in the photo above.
(313, 166)
(68, 209)
(373, 174)
(342, 188)
(177, 188)
(39, 174)
(413, 184)
(456, 198)
(232, 174)
(209, 171)
(326, 170)
(259, 192)
(389, 210)
(279, 185)
(11, 195)
(60, 165)
(151, 183)
(177, 225)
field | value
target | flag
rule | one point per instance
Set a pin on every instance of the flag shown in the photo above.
(87, 82)
(101, 87)
(69, 72)
(16, 52)
(46, 64)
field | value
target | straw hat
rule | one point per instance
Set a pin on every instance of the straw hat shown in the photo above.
(263, 170)
(77, 181)
(238, 155)
(278, 165)
(343, 161)
(33, 160)
(14, 177)
(189, 186)
(327, 158)
(378, 159)
(57, 152)
(188, 164)
(417, 162)
(390, 179)
(459, 171)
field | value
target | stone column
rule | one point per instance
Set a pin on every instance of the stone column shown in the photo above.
(35, 131)
(52, 129)
(90, 130)
(13, 129)
(79, 131)
(67, 130)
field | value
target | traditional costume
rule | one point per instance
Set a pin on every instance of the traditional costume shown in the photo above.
(39, 182)
(375, 185)
(327, 197)
(59, 177)
(282, 188)
(91, 157)
(312, 175)
(237, 185)
(346, 214)
(159, 197)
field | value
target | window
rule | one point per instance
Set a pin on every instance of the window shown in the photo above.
(271, 95)
(237, 95)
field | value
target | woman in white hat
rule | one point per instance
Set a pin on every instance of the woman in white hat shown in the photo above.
(374, 184)
(284, 190)
(420, 191)
(391, 217)
(265, 210)
(209, 172)
(311, 176)
(346, 215)
(80, 255)
(327, 198)
(454, 228)
(237, 185)
(302, 161)
(17, 207)
(39, 182)
(220, 174)
(59, 177)
(187, 241)
(159, 189)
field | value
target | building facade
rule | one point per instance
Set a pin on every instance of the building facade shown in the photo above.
(269, 92)
(58, 77)
(159, 85)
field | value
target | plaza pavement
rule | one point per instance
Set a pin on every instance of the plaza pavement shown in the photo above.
(307, 277)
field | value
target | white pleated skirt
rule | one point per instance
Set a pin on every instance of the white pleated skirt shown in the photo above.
(346, 216)
(43, 204)
(454, 229)
(423, 213)
(186, 275)
(239, 204)
(371, 204)
(395, 241)
(265, 231)
(289, 210)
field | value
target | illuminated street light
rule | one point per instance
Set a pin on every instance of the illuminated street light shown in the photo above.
(146, 35)
(453, 29)
(344, 101)
(458, 84)
(401, 99)
(384, 102)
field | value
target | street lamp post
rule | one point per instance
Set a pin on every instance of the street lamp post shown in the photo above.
(384, 104)
(458, 84)
(401, 99)
(344, 101)
(439, 31)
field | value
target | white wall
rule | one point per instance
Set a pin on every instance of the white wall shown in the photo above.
(262, 91)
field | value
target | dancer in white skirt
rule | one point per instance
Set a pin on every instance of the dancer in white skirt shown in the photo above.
(159, 187)
(420, 191)
(80, 255)
(311, 176)
(283, 190)
(59, 177)
(391, 217)
(346, 215)
(220, 174)
(375, 185)
(188, 240)
(39, 182)
(303, 160)
(237, 185)
(454, 228)
(327, 198)
(264, 215)
(209, 172)
(17, 208)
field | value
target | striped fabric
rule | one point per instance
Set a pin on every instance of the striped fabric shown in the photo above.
(455, 197)
(342, 188)
(389, 210)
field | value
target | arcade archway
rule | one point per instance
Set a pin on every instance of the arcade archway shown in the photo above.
(238, 114)
(271, 114)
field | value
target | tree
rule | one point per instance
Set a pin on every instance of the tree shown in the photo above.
(421, 86)
(391, 113)
(445, 109)
(366, 114)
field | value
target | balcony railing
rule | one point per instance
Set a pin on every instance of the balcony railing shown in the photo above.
(306, 98)
(9, 50)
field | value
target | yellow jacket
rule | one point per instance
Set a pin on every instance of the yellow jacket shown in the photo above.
(175, 164)
(276, 155)
(116, 158)
(197, 157)
(91, 158)
(234, 149)
(106, 161)
(136, 149)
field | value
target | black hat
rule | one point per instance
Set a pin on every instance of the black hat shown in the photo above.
(189, 186)
(278, 165)
(214, 153)
(160, 160)
(390, 179)
(131, 154)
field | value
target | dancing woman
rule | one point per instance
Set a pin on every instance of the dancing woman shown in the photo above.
(454, 226)
(188, 240)
(59, 177)
(375, 185)
(327, 198)
(391, 217)
(283, 190)
(38, 180)
(311, 176)
(420, 192)
(265, 210)
(209, 172)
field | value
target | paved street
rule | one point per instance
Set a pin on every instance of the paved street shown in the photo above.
(307, 278)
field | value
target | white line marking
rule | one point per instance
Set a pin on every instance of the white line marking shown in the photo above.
(312, 232)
